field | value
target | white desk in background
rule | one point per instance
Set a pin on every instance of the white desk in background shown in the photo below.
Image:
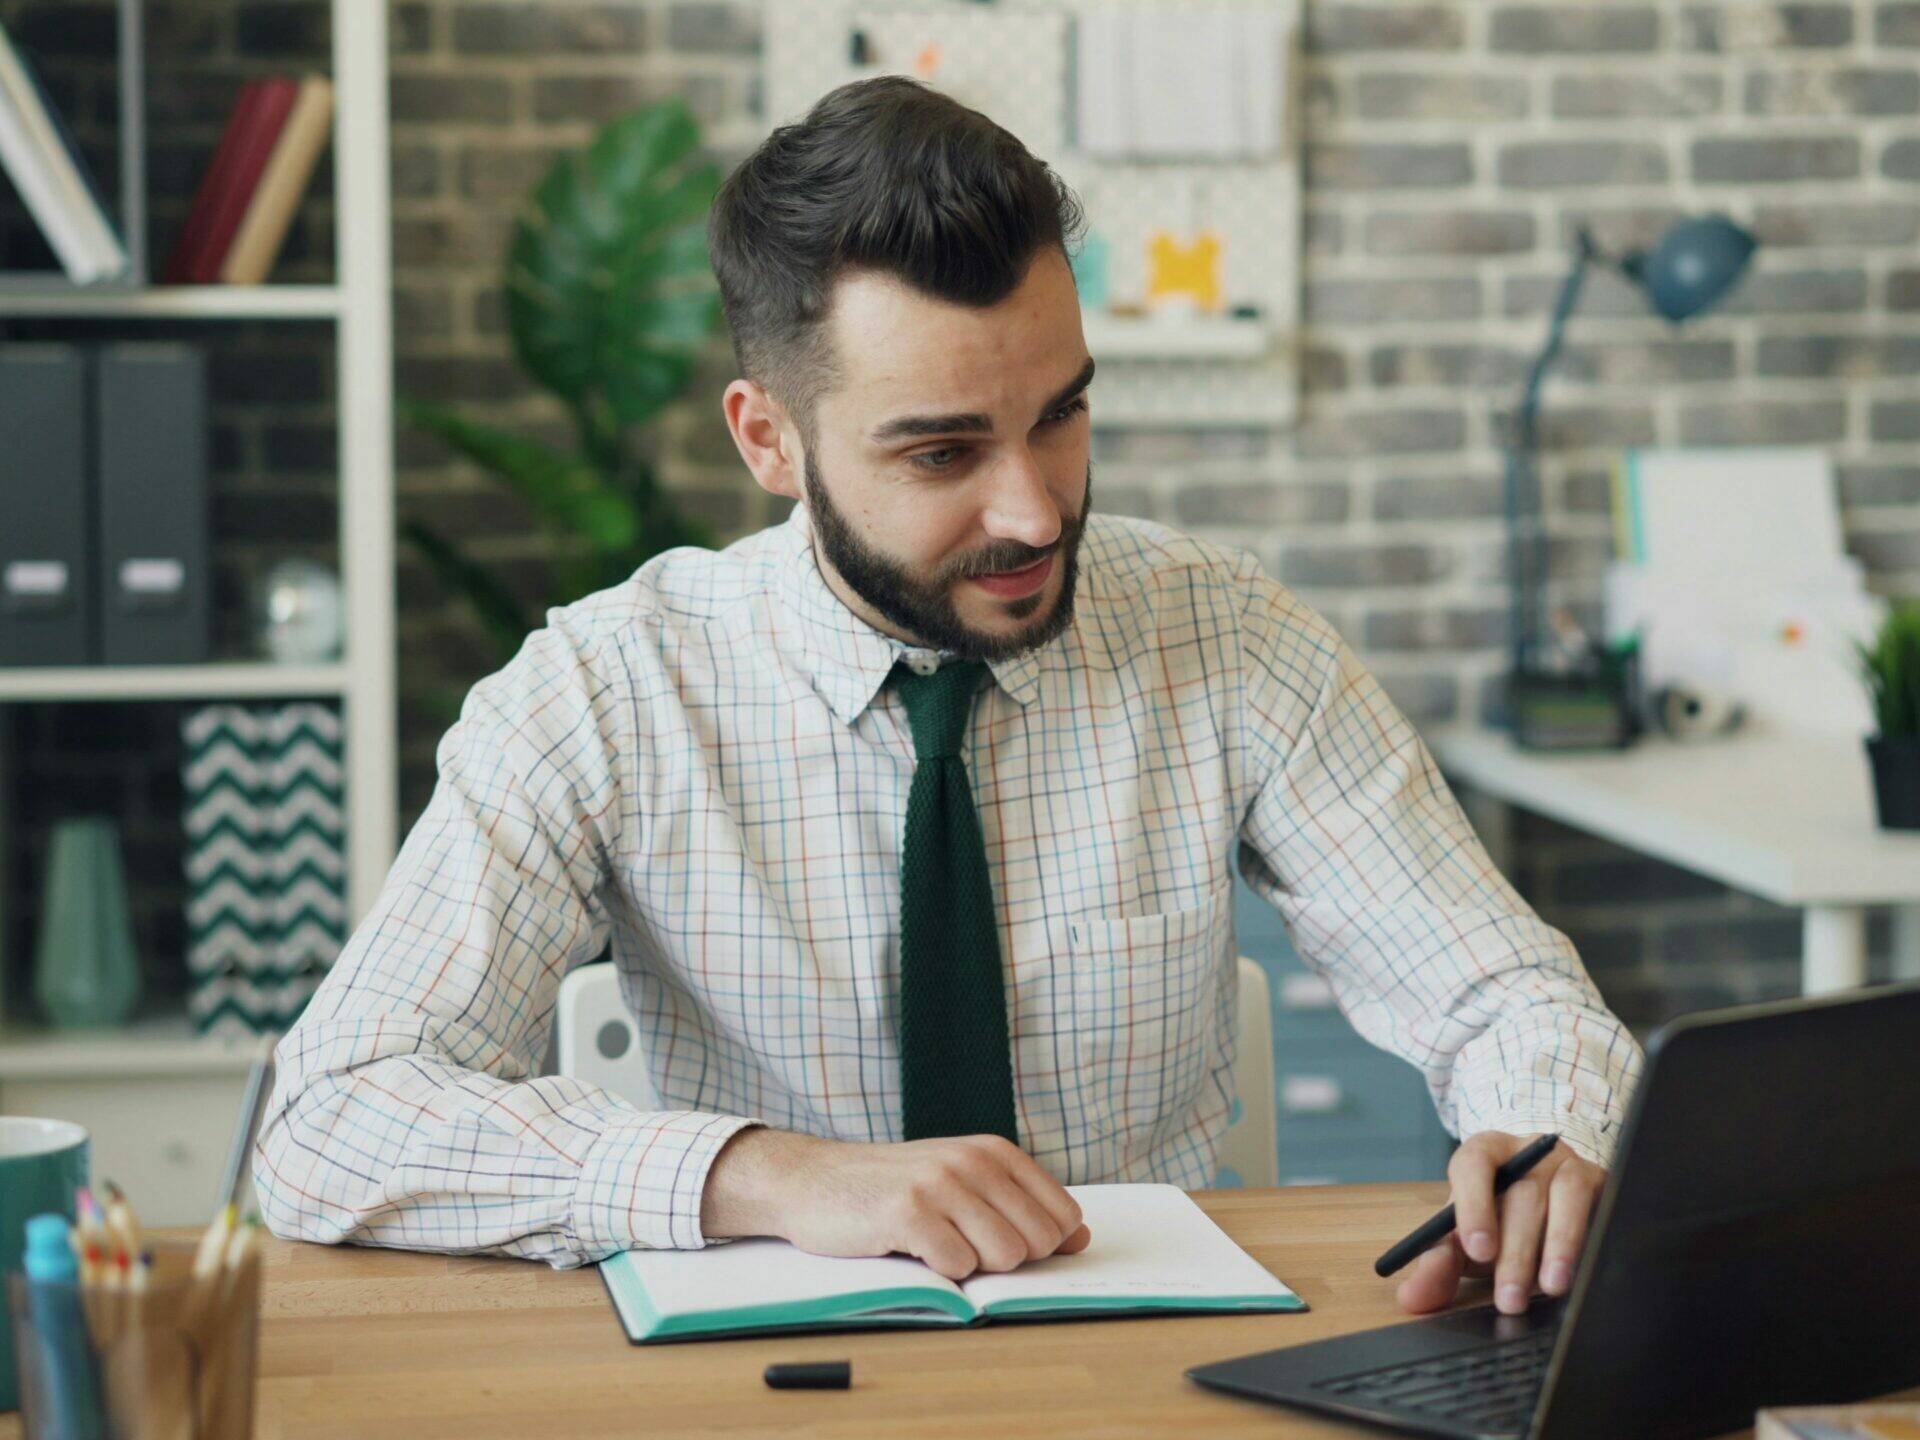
(1785, 816)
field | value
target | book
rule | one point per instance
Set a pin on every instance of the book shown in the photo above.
(272, 105)
(192, 236)
(1841, 1422)
(1154, 1252)
(260, 112)
(40, 153)
(263, 228)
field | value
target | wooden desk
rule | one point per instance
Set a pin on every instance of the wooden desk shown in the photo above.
(370, 1344)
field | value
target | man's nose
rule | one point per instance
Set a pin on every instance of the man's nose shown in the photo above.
(1021, 506)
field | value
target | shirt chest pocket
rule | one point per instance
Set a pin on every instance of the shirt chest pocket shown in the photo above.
(1147, 995)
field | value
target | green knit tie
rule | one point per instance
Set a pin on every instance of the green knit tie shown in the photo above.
(956, 1071)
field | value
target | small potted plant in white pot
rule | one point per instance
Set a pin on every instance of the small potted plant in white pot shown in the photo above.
(1892, 669)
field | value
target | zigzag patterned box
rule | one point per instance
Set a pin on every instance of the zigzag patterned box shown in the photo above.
(266, 864)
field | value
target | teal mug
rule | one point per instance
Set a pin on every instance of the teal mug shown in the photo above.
(42, 1164)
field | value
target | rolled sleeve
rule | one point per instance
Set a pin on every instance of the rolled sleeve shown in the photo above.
(641, 1183)
(409, 1107)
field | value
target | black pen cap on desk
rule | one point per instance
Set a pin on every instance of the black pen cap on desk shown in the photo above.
(811, 1375)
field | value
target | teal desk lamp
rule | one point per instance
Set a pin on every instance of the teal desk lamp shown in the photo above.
(1590, 702)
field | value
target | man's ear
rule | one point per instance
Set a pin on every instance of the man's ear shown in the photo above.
(767, 441)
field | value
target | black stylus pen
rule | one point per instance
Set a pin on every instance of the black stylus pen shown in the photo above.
(1441, 1225)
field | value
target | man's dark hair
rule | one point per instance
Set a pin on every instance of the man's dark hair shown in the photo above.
(887, 175)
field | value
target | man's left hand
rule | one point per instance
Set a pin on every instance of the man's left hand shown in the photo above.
(1530, 1235)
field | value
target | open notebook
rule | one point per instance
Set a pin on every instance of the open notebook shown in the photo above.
(1153, 1250)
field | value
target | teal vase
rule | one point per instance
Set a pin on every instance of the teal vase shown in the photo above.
(85, 971)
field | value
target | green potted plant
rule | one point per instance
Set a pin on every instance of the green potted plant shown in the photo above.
(609, 300)
(1892, 669)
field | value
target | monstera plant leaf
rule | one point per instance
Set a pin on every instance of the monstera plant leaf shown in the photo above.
(608, 287)
(610, 300)
(567, 493)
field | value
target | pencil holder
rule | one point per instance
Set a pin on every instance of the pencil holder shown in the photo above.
(173, 1362)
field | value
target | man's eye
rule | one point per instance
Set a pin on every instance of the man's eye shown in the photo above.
(926, 461)
(1061, 416)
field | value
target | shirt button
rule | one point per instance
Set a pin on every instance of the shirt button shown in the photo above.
(922, 662)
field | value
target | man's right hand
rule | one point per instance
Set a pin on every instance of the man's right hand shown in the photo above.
(974, 1202)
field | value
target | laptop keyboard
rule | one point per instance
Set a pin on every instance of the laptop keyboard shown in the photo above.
(1491, 1387)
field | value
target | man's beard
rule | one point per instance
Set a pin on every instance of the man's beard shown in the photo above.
(925, 608)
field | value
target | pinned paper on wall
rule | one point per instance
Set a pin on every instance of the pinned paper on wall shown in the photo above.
(1009, 64)
(1188, 83)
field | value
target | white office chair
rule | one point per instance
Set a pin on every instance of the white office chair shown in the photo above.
(596, 1042)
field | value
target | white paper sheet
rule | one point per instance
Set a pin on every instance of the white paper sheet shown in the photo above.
(1149, 1241)
(767, 1272)
(1201, 83)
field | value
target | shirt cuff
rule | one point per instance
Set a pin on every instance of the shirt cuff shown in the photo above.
(1592, 1140)
(643, 1179)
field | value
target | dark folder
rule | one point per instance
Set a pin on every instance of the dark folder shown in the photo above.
(46, 576)
(152, 484)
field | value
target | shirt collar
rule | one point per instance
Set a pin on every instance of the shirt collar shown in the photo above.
(844, 658)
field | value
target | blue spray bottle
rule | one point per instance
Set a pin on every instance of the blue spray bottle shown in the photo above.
(65, 1377)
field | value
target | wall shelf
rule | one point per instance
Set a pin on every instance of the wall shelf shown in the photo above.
(161, 1045)
(167, 302)
(1202, 337)
(238, 680)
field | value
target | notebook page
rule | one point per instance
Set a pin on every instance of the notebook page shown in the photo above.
(765, 1271)
(1150, 1242)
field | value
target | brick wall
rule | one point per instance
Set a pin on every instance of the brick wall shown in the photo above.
(1452, 148)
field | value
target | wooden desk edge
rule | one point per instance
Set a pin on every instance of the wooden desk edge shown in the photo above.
(370, 1343)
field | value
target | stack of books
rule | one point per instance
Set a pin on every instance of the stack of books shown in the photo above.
(238, 221)
(46, 167)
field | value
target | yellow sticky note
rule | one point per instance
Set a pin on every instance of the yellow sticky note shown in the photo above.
(1192, 270)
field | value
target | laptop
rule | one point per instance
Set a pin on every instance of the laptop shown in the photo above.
(1757, 1243)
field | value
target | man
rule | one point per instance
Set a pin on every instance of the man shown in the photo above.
(909, 821)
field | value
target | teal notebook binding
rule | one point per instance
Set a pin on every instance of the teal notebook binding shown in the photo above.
(1153, 1252)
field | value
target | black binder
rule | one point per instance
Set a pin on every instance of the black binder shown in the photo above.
(47, 590)
(152, 474)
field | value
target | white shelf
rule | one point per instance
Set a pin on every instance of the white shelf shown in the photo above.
(241, 680)
(164, 1045)
(1120, 406)
(170, 302)
(1122, 337)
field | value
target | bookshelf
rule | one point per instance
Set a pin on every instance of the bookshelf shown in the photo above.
(141, 1088)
